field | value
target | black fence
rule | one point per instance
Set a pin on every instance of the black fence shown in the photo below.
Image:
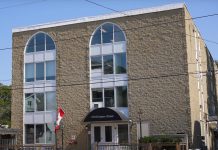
(149, 146)
(29, 147)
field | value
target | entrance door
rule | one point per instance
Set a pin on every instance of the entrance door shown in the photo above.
(104, 134)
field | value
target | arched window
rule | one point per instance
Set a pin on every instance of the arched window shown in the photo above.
(40, 66)
(107, 33)
(39, 71)
(40, 42)
(108, 50)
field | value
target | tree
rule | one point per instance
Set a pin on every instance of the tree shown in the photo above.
(5, 104)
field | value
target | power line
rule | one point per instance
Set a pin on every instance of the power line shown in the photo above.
(139, 27)
(106, 7)
(127, 29)
(203, 39)
(129, 79)
(135, 28)
(22, 4)
(9, 80)
(192, 18)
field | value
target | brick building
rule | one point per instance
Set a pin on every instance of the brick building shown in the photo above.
(109, 72)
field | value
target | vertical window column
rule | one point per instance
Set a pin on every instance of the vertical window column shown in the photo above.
(120, 63)
(51, 104)
(97, 134)
(29, 72)
(50, 70)
(109, 97)
(40, 71)
(29, 134)
(40, 133)
(108, 64)
(40, 102)
(40, 42)
(123, 133)
(121, 96)
(108, 134)
(29, 102)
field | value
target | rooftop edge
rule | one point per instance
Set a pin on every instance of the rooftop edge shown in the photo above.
(100, 17)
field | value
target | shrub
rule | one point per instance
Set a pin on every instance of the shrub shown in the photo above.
(160, 139)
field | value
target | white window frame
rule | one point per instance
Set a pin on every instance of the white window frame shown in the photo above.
(45, 101)
(103, 97)
(34, 64)
(34, 39)
(101, 80)
(39, 86)
(34, 134)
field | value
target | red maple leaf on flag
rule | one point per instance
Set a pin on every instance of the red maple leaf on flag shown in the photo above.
(60, 116)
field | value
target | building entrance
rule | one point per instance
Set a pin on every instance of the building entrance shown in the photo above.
(109, 133)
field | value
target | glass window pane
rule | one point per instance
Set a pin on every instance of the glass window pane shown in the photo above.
(96, 62)
(107, 33)
(51, 101)
(123, 133)
(50, 136)
(40, 101)
(39, 71)
(29, 102)
(108, 64)
(109, 97)
(120, 63)
(96, 39)
(30, 46)
(118, 34)
(108, 134)
(97, 95)
(29, 134)
(29, 72)
(40, 133)
(49, 43)
(121, 96)
(50, 70)
(97, 134)
(40, 42)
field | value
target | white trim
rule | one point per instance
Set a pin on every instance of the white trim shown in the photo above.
(101, 17)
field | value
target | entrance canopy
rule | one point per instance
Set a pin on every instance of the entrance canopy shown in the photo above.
(105, 114)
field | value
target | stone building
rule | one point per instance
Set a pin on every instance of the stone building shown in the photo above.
(118, 77)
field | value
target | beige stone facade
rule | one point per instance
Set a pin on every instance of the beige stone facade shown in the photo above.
(161, 67)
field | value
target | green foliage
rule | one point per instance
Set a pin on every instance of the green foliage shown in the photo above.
(5, 105)
(160, 139)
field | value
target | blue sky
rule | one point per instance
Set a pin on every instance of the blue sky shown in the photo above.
(18, 13)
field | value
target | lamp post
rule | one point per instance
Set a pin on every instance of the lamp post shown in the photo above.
(140, 127)
(140, 122)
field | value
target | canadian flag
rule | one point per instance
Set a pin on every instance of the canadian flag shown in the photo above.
(60, 116)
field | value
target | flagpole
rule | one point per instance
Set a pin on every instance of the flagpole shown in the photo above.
(62, 130)
(60, 125)
(56, 140)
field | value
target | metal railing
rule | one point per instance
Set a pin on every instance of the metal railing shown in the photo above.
(27, 147)
(148, 146)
